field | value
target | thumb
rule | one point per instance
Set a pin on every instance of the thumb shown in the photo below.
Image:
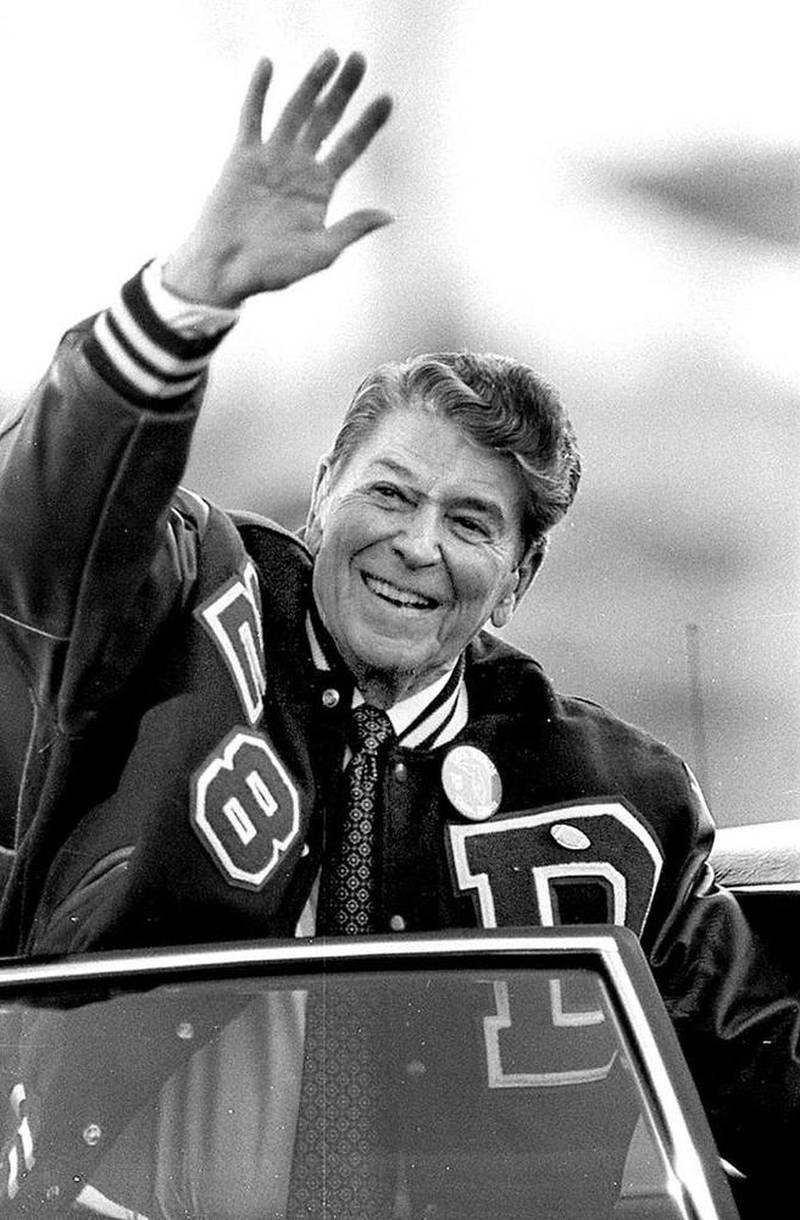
(355, 226)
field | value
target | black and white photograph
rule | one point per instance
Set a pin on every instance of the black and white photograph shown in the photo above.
(399, 601)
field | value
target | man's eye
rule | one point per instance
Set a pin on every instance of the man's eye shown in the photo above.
(386, 491)
(472, 526)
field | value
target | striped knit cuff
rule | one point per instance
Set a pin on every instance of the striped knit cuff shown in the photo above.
(144, 359)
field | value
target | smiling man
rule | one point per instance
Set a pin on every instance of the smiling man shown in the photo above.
(238, 733)
(418, 526)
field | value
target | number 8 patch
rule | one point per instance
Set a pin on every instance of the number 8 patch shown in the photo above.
(245, 808)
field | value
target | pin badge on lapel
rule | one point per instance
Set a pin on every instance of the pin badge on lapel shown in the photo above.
(471, 783)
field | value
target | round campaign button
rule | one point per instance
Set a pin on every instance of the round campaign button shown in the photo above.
(471, 783)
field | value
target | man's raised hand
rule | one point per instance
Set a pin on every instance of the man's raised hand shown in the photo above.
(264, 225)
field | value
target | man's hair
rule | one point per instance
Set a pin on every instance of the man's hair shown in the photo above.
(498, 403)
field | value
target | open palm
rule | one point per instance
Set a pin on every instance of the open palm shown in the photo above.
(264, 224)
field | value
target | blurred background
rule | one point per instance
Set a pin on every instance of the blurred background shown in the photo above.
(610, 192)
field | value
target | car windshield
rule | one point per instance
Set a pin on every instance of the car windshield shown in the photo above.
(487, 1090)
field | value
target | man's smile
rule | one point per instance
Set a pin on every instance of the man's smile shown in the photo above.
(404, 599)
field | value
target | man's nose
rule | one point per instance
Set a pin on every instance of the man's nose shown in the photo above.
(420, 539)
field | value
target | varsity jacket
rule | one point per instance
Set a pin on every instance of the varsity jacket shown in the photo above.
(186, 755)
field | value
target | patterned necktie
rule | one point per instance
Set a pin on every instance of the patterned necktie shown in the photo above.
(341, 1169)
(347, 889)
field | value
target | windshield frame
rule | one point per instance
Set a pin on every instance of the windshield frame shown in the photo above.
(613, 953)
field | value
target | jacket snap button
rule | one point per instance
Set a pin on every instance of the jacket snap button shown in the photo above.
(92, 1134)
(185, 1030)
(397, 923)
(330, 697)
(400, 771)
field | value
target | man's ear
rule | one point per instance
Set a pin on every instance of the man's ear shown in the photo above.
(526, 570)
(312, 535)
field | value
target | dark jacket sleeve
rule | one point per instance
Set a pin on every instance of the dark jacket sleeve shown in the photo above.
(736, 1010)
(92, 554)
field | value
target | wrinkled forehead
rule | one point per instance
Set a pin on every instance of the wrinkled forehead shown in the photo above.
(419, 432)
(394, 420)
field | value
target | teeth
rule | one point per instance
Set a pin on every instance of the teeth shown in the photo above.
(399, 596)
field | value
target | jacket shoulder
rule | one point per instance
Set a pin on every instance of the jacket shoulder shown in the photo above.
(270, 545)
(505, 681)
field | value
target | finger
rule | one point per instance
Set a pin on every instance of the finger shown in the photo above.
(253, 105)
(355, 226)
(301, 103)
(330, 110)
(350, 147)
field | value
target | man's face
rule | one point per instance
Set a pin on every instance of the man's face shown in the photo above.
(417, 540)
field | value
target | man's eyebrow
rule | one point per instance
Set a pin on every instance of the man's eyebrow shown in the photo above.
(392, 466)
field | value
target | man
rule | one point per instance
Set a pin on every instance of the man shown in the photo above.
(193, 672)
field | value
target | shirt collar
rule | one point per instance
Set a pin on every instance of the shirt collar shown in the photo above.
(428, 718)
(318, 657)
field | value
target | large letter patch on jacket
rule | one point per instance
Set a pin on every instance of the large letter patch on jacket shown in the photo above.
(589, 863)
(245, 808)
(233, 619)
